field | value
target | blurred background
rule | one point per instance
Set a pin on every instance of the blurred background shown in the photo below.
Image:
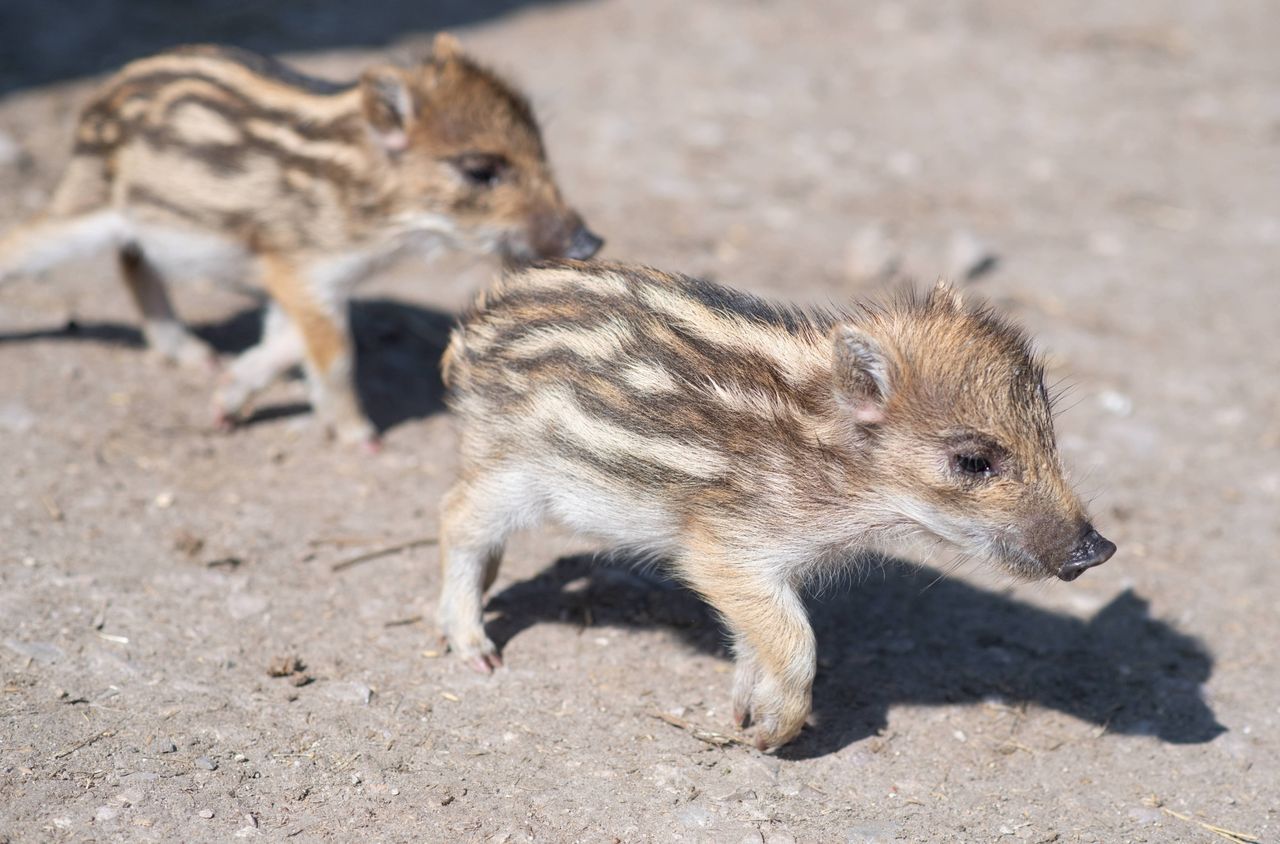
(1105, 173)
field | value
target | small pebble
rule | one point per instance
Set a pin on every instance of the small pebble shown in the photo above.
(1116, 402)
(904, 164)
(43, 652)
(1106, 244)
(165, 746)
(871, 254)
(205, 763)
(968, 258)
(355, 779)
(206, 813)
(17, 418)
(349, 692)
(10, 150)
(395, 792)
(240, 757)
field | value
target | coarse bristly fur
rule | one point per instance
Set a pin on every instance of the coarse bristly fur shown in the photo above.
(217, 162)
(752, 446)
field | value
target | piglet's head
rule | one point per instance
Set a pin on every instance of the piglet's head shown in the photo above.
(950, 409)
(466, 159)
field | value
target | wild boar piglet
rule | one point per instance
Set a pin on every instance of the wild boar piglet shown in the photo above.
(751, 446)
(216, 162)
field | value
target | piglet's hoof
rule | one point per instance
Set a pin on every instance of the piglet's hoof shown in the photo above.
(223, 422)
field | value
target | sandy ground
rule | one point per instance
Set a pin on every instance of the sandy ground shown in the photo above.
(1121, 161)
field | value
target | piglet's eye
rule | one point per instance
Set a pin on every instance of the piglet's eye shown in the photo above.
(974, 465)
(481, 169)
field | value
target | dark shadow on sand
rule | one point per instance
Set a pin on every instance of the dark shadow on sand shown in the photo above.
(894, 639)
(398, 350)
(43, 41)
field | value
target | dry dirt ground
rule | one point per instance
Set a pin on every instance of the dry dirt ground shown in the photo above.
(1122, 161)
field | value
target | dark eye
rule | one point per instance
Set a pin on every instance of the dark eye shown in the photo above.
(974, 465)
(481, 170)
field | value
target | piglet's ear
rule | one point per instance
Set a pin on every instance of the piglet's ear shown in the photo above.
(387, 104)
(444, 47)
(860, 373)
(946, 297)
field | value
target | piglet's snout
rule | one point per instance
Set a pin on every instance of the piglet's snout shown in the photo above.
(584, 244)
(1093, 549)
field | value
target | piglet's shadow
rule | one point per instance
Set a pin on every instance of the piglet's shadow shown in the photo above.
(894, 639)
(398, 350)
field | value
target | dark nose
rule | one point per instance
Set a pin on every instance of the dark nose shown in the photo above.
(1093, 549)
(584, 244)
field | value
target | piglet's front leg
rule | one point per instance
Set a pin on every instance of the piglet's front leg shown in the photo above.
(776, 652)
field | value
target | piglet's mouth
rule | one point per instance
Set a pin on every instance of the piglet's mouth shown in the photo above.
(1093, 549)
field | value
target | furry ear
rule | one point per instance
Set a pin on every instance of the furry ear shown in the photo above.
(444, 47)
(387, 104)
(946, 296)
(860, 374)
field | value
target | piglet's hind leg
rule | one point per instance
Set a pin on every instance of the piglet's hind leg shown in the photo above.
(320, 317)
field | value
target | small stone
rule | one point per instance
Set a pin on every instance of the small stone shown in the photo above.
(1042, 169)
(206, 813)
(241, 606)
(1146, 815)
(904, 164)
(164, 746)
(349, 692)
(11, 151)
(284, 666)
(186, 542)
(890, 18)
(205, 763)
(395, 792)
(105, 813)
(45, 652)
(694, 816)
(16, 418)
(968, 258)
(871, 254)
(240, 757)
(1115, 402)
(1106, 244)
(164, 500)
(740, 796)
(355, 779)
